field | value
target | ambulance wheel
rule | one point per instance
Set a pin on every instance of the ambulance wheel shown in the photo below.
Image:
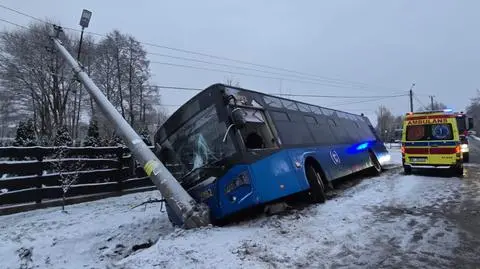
(458, 170)
(316, 193)
(407, 169)
(466, 157)
(377, 167)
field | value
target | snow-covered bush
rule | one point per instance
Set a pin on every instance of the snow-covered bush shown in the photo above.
(93, 136)
(25, 136)
(62, 138)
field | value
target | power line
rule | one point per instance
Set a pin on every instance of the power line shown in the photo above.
(333, 80)
(248, 68)
(247, 74)
(250, 63)
(175, 88)
(287, 94)
(14, 24)
(371, 100)
(335, 96)
(304, 80)
(419, 101)
(22, 13)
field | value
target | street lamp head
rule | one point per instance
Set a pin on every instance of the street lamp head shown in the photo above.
(85, 19)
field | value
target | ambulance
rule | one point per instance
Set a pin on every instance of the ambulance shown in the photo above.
(432, 140)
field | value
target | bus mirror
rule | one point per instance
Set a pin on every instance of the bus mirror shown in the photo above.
(238, 117)
(470, 123)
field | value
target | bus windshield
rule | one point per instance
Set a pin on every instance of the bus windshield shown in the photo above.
(196, 144)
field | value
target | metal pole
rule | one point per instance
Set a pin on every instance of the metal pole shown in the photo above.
(411, 97)
(77, 110)
(431, 101)
(80, 45)
(187, 209)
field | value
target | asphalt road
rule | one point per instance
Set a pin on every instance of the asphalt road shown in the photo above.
(450, 237)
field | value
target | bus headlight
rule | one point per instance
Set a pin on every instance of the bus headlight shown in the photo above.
(384, 159)
(464, 147)
(206, 194)
(240, 180)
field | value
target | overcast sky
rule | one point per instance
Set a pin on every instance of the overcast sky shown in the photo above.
(385, 44)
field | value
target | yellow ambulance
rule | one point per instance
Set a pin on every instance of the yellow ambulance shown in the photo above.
(431, 140)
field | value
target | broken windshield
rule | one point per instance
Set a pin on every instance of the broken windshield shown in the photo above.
(196, 144)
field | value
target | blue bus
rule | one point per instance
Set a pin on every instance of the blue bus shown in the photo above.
(235, 149)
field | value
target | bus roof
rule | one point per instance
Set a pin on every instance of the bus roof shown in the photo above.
(220, 86)
(186, 111)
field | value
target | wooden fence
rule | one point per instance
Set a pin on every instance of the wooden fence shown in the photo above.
(34, 177)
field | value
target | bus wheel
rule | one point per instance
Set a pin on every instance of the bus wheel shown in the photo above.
(317, 187)
(377, 167)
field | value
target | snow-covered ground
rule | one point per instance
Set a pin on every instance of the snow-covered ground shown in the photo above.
(475, 137)
(395, 153)
(379, 222)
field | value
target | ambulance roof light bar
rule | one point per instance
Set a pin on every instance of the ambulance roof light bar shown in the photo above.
(447, 110)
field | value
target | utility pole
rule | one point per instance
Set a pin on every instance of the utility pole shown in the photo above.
(192, 214)
(431, 102)
(411, 97)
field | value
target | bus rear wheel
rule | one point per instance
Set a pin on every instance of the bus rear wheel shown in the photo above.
(316, 192)
(377, 167)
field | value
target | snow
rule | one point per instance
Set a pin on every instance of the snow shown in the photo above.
(362, 226)
(475, 137)
(87, 234)
(395, 154)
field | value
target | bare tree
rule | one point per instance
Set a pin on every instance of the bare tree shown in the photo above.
(473, 110)
(36, 75)
(80, 100)
(122, 72)
(232, 82)
(385, 122)
(36, 82)
(436, 106)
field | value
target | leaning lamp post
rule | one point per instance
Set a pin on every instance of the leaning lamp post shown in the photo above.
(84, 21)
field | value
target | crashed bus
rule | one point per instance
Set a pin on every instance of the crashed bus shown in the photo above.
(234, 149)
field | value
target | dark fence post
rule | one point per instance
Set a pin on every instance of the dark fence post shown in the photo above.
(39, 179)
(120, 167)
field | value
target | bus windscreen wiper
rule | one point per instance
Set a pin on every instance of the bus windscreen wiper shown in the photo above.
(206, 166)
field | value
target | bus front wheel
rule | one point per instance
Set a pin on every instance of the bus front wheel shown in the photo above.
(317, 186)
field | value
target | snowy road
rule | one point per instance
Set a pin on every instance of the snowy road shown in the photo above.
(392, 221)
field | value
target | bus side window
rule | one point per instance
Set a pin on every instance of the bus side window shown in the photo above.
(254, 141)
(256, 133)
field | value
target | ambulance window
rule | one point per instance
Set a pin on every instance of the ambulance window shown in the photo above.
(441, 132)
(429, 132)
(416, 133)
